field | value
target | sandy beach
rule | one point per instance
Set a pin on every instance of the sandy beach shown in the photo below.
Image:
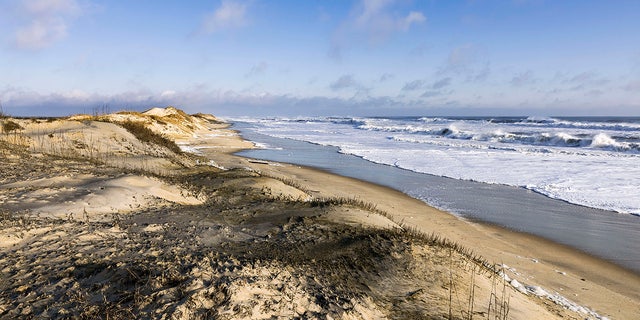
(100, 218)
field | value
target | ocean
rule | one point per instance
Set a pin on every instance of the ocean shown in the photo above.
(572, 180)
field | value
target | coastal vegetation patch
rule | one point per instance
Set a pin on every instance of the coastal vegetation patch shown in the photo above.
(144, 134)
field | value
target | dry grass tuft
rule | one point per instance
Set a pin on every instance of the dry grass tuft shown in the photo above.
(352, 202)
(412, 232)
(287, 181)
(144, 134)
(9, 126)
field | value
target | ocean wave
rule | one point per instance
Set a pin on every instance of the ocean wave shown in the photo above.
(600, 141)
(541, 120)
(430, 119)
(621, 124)
(588, 139)
(535, 131)
(562, 163)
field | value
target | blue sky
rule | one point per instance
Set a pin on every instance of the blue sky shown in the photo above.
(361, 57)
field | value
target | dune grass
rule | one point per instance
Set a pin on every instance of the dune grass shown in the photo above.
(144, 134)
(9, 126)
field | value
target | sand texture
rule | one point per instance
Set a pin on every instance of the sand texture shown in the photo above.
(97, 221)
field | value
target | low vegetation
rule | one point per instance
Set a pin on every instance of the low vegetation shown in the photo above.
(9, 126)
(144, 134)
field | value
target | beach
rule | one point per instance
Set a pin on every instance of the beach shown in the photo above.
(97, 220)
(546, 263)
(605, 234)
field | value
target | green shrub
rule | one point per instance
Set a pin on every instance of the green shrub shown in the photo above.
(144, 134)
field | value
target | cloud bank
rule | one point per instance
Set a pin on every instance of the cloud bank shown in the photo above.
(21, 102)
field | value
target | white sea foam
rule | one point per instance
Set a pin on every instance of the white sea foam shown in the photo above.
(261, 145)
(602, 140)
(544, 294)
(595, 164)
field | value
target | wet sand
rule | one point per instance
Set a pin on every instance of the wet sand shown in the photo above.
(603, 286)
(605, 234)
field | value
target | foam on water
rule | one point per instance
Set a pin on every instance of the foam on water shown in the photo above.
(586, 162)
(262, 145)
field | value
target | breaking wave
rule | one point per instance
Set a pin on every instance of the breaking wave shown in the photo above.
(544, 132)
(587, 161)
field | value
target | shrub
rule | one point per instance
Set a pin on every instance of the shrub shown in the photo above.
(144, 134)
(8, 126)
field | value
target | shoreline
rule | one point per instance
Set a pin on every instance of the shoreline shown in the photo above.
(607, 235)
(514, 151)
(588, 280)
(486, 224)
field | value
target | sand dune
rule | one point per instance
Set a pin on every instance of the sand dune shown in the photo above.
(91, 197)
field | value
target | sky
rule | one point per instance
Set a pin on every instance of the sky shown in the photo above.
(332, 57)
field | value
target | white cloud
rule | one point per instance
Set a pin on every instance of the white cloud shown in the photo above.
(370, 9)
(374, 20)
(167, 94)
(50, 6)
(230, 15)
(44, 22)
(76, 94)
(40, 34)
(373, 17)
(414, 17)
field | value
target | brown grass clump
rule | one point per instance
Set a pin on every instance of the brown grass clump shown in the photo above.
(144, 134)
(9, 126)
(134, 113)
(209, 118)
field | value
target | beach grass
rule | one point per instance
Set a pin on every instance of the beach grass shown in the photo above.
(9, 126)
(144, 134)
